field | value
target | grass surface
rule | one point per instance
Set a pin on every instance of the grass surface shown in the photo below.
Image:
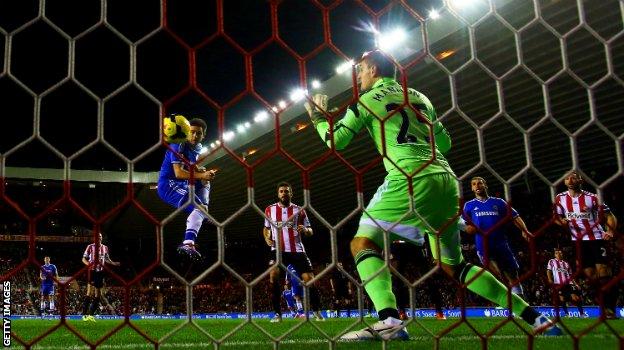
(298, 334)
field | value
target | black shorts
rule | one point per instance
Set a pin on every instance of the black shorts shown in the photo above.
(96, 278)
(410, 253)
(569, 289)
(593, 252)
(299, 261)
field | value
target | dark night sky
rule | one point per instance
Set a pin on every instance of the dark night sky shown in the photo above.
(39, 60)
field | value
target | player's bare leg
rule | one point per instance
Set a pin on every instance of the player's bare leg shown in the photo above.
(274, 278)
(315, 301)
(87, 303)
(602, 277)
(513, 280)
(578, 301)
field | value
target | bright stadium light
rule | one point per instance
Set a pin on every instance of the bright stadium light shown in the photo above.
(461, 3)
(228, 135)
(388, 41)
(434, 14)
(218, 142)
(297, 94)
(212, 145)
(203, 150)
(247, 125)
(261, 116)
(240, 128)
(316, 84)
(344, 67)
(282, 104)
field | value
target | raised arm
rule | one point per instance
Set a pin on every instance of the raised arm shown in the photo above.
(344, 130)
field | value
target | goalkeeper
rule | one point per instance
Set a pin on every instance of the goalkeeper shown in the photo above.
(402, 132)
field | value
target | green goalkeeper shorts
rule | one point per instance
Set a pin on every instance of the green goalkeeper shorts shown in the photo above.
(436, 208)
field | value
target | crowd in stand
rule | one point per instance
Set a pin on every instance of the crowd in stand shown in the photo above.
(221, 292)
(224, 293)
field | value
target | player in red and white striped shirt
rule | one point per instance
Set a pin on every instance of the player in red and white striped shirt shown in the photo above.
(95, 257)
(584, 216)
(558, 272)
(284, 225)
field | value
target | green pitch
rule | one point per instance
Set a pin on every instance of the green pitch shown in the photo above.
(305, 335)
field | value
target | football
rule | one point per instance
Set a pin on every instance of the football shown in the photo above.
(176, 128)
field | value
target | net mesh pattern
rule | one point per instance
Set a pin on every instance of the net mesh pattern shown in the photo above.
(525, 105)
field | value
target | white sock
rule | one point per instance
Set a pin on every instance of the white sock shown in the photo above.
(52, 305)
(42, 305)
(193, 224)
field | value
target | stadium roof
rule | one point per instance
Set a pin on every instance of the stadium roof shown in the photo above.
(510, 113)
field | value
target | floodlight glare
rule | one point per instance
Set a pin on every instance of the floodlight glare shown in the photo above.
(388, 41)
(461, 3)
(261, 116)
(240, 128)
(344, 67)
(434, 14)
(316, 84)
(297, 95)
(282, 104)
(228, 135)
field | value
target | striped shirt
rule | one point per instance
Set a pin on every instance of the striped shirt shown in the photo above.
(560, 270)
(582, 213)
(89, 254)
(286, 220)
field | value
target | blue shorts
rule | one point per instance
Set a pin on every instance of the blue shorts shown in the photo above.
(176, 194)
(47, 289)
(502, 255)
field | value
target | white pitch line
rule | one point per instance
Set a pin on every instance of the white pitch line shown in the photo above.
(147, 345)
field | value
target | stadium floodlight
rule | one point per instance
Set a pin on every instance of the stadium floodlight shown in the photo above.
(261, 116)
(344, 67)
(203, 150)
(275, 109)
(240, 128)
(434, 14)
(461, 3)
(228, 135)
(212, 145)
(218, 142)
(297, 94)
(388, 41)
(316, 84)
(247, 125)
(282, 104)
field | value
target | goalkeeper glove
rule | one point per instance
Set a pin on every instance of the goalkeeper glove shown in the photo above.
(317, 109)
